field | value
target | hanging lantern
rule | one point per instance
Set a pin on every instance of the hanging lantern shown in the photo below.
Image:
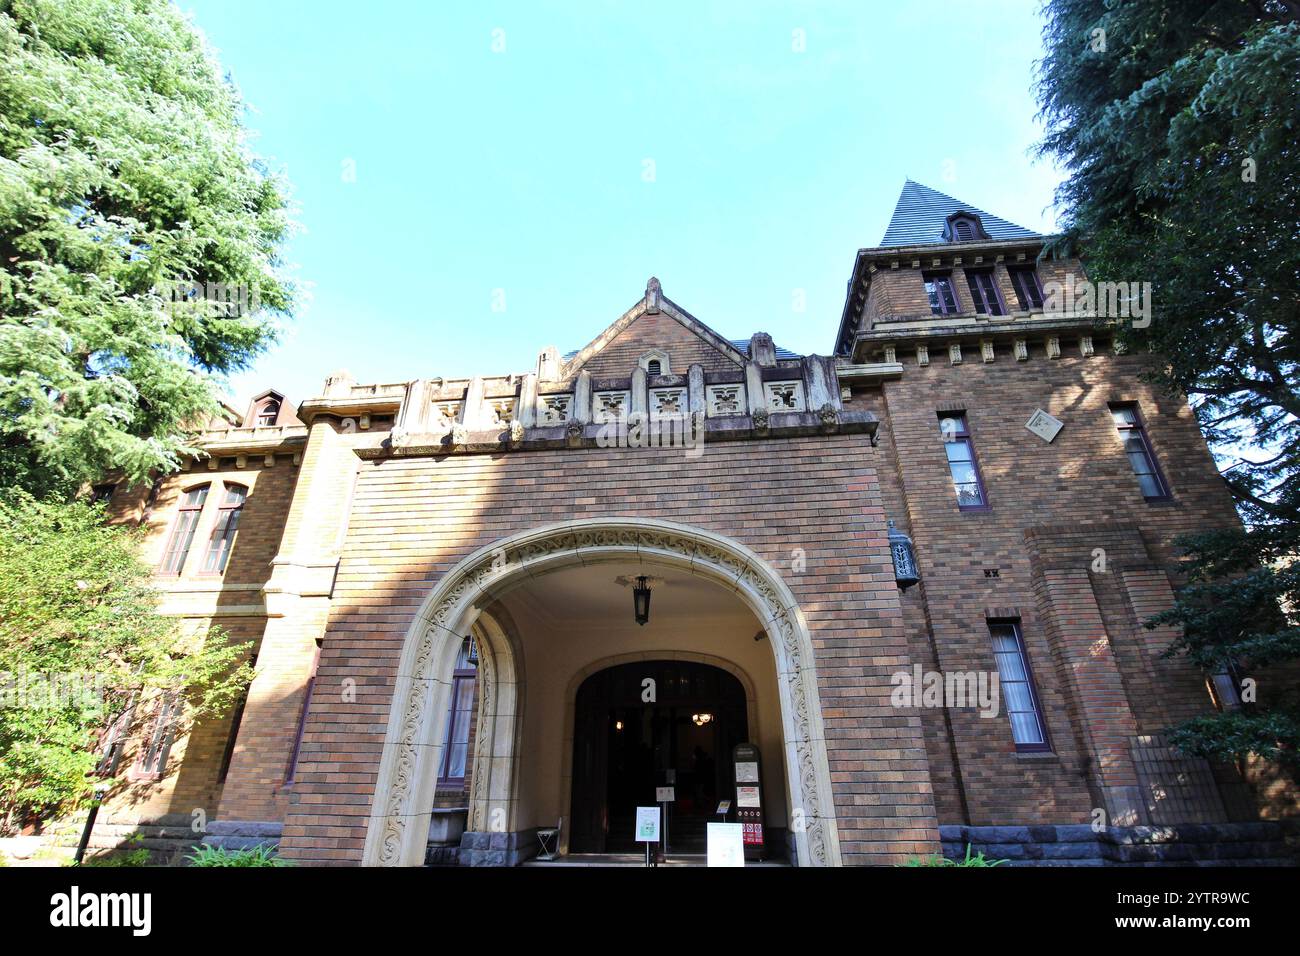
(471, 651)
(904, 554)
(641, 599)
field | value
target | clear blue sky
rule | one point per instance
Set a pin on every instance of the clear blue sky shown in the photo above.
(527, 169)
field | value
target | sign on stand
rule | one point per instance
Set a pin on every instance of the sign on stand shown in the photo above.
(647, 830)
(726, 842)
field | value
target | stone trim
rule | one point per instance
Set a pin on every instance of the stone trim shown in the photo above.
(403, 801)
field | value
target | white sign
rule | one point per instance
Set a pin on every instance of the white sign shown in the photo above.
(747, 797)
(724, 806)
(647, 824)
(747, 772)
(665, 794)
(726, 842)
(1044, 425)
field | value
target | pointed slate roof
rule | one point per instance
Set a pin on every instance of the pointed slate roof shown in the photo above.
(921, 213)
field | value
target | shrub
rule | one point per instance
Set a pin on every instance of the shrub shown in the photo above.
(263, 855)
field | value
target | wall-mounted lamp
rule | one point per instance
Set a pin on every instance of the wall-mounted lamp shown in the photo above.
(904, 555)
(641, 600)
(701, 719)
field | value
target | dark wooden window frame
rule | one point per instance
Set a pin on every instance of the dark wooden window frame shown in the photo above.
(151, 759)
(1138, 430)
(1028, 287)
(936, 277)
(979, 294)
(224, 530)
(963, 435)
(464, 672)
(188, 517)
(1045, 746)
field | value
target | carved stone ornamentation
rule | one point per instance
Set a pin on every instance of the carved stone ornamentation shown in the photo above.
(393, 840)
(829, 418)
(761, 421)
(573, 433)
(516, 430)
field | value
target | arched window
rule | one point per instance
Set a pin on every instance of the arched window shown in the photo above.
(964, 230)
(182, 536)
(268, 413)
(653, 367)
(223, 532)
(456, 754)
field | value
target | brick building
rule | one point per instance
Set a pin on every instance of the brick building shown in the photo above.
(438, 581)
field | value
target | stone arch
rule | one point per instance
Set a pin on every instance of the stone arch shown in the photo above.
(595, 667)
(403, 800)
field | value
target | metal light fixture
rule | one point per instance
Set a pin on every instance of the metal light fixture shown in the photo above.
(641, 599)
(904, 554)
(471, 650)
(701, 719)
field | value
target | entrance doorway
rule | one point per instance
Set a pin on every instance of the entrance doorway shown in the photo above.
(625, 746)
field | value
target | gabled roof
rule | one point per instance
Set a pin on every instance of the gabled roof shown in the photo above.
(654, 300)
(921, 213)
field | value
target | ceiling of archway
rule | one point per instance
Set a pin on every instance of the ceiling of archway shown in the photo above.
(601, 594)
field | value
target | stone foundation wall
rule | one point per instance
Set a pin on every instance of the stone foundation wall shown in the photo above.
(1221, 844)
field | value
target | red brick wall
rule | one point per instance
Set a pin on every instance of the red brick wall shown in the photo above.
(228, 601)
(412, 521)
(651, 331)
(1081, 481)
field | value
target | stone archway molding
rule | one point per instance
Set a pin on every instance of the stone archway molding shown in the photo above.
(403, 801)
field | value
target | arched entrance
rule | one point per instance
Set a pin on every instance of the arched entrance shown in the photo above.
(648, 724)
(417, 726)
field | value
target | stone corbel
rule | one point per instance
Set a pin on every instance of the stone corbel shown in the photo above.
(829, 418)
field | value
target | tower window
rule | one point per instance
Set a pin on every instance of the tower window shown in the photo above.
(1138, 449)
(939, 290)
(1018, 693)
(984, 292)
(962, 467)
(1029, 291)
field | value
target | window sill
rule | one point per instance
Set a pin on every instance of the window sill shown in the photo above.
(1041, 755)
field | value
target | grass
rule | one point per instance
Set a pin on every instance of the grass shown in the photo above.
(977, 860)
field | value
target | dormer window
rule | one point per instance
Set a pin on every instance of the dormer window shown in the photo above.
(268, 413)
(964, 227)
(655, 362)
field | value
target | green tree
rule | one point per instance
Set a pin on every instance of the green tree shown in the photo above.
(82, 647)
(1177, 125)
(139, 239)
